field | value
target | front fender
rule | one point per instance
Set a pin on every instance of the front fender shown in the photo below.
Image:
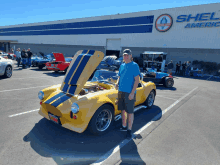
(49, 90)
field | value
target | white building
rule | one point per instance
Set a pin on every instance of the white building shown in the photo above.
(185, 33)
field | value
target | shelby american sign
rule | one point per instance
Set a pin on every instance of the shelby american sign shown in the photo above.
(209, 18)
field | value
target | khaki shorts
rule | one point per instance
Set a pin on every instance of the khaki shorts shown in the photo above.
(124, 103)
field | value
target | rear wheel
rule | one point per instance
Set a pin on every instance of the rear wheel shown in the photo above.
(102, 120)
(168, 83)
(8, 72)
(150, 99)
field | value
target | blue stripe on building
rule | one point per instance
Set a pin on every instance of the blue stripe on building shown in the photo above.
(103, 30)
(60, 100)
(99, 23)
(54, 97)
(81, 67)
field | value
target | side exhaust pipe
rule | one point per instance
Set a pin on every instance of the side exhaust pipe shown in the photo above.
(118, 117)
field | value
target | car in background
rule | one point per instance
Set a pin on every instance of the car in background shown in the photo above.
(6, 67)
(78, 104)
(158, 78)
(40, 63)
(60, 64)
(35, 58)
(113, 61)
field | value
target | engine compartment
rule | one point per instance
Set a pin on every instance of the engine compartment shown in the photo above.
(91, 89)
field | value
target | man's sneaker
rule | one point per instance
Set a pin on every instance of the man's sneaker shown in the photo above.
(129, 135)
(123, 128)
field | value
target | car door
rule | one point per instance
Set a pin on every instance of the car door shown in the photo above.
(1, 66)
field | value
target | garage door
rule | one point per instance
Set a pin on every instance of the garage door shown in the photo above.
(114, 44)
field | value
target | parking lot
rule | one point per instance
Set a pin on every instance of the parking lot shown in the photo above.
(181, 128)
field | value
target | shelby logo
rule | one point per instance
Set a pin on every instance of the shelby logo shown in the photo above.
(164, 22)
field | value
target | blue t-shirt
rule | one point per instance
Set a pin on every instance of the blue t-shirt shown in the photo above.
(127, 73)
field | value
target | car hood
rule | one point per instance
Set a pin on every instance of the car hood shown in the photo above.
(59, 57)
(81, 68)
(5, 60)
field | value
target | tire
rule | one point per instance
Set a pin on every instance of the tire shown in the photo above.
(98, 118)
(150, 100)
(168, 83)
(40, 66)
(8, 72)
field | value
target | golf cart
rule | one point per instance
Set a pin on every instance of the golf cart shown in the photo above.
(154, 67)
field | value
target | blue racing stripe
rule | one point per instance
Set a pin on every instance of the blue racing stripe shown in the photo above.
(54, 97)
(65, 87)
(60, 100)
(74, 66)
(81, 67)
(72, 89)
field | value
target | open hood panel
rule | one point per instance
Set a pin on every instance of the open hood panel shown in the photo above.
(81, 68)
(59, 57)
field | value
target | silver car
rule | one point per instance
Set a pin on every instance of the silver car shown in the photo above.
(6, 67)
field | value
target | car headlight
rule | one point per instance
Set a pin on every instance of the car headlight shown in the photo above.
(75, 108)
(41, 95)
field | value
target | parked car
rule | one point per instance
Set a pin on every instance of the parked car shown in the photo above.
(158, 78)
(34, 58)
(78, 104)
(60, 64)
(113, 61)
(6, 67)
(40, 63)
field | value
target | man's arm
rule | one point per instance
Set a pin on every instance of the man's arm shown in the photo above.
(136, 82)
(116, 84)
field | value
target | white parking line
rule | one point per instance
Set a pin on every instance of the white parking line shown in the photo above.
(32, 77)
(23, 88)
(23, 113)
(165, 97)
(124, 142)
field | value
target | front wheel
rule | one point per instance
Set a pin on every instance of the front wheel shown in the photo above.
(102, 120)
(40, 66)
(150, 99)
(8, 72)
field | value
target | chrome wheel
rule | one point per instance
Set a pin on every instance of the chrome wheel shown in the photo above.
(150, 99)
(8, 71)
(103, 120)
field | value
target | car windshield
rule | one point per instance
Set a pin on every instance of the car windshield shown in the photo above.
(68, 59)
(104, 75)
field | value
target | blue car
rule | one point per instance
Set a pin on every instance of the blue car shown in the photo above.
(40, 63)
(34, 58)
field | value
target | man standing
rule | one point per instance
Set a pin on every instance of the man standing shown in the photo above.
(184, 68)
(29, 56)
(24, 57)
(18, 56)
(170, 67)
(177, 68)
(128, 82)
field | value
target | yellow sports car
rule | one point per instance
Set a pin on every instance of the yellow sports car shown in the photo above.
(78, 104)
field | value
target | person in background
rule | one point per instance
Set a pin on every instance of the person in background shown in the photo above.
(177, 69)
(184, 68)
(18, 56)
(159, 58)
(24, 57)
(127, 83)
(29, 56)
(170, 67)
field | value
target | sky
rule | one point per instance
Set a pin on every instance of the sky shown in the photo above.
(14, 12)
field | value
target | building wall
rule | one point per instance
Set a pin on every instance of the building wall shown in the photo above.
(140, 33)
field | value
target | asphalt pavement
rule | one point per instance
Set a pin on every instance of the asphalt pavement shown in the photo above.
(181, 128)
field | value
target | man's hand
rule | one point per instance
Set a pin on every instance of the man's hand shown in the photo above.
(131, 96)
(116, 86)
